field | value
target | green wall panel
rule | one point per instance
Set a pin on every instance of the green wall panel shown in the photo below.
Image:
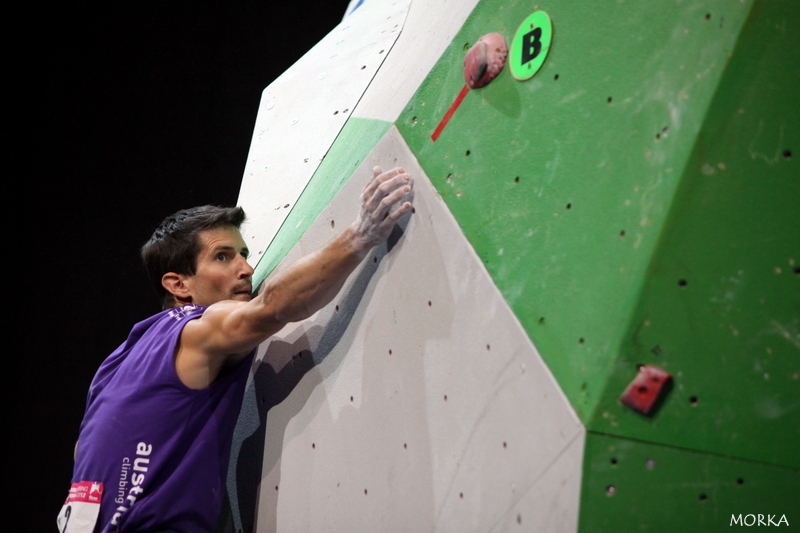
(562, 183)
(720, 309)
(636, 486)
(355, 141)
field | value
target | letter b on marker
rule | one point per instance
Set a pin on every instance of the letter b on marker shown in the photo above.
(531, 45)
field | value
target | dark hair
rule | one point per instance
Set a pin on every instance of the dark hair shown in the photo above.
(175, 245)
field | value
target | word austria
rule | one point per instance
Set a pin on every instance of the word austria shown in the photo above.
(140, 467)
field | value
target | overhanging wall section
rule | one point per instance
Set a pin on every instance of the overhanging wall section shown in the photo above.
(720, 307)
(562, 183)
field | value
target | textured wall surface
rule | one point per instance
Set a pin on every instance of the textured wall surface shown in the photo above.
(415, 398)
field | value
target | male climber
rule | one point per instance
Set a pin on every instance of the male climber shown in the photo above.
(154, 444)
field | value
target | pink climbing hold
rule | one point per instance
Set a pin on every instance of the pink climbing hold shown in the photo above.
(485, 60)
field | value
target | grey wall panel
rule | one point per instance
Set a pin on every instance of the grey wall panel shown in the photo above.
(415, 401)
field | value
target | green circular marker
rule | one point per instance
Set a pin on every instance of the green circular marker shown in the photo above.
(530, 45)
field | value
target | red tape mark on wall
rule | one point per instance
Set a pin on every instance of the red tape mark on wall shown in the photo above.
(453, 107)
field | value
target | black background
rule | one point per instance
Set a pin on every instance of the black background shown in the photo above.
(131, 112)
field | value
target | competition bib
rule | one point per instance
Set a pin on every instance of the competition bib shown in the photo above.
(79, 513)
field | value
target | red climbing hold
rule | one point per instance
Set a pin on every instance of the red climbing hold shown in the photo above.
(646, 390)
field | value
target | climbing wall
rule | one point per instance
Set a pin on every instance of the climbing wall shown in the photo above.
(592, 320)
(637, 202)
(397, 406)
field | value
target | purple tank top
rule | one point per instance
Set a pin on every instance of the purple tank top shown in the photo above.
(160, 449)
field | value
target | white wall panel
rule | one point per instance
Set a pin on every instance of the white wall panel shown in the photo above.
(303, 110)
(415, 401)
(429, 29)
